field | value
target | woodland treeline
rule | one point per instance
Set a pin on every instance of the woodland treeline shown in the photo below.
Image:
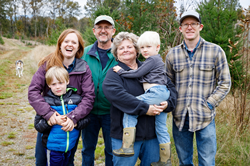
(44, 20)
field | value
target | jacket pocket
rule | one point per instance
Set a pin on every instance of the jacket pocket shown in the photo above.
(178, 68)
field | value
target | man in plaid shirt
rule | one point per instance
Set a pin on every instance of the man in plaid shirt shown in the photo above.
(200, 72)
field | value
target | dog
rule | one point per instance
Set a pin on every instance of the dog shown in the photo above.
(19, 68)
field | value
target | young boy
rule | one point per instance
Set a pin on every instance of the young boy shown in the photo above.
(152, 75)
(63, 99)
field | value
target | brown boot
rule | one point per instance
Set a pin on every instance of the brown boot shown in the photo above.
(165, 156)
(128, 139)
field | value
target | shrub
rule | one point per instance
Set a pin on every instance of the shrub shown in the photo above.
(1, 40)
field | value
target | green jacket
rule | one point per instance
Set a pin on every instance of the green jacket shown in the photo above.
(101, 104)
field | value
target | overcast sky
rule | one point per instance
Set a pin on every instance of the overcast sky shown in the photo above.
(243, 3)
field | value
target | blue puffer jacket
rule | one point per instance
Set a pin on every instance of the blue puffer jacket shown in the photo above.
(56, 139)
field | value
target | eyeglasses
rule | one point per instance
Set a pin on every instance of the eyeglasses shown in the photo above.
(105, 28)
(193, 25)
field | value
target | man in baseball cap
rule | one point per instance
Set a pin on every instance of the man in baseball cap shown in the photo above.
(190, 13)
(104, 18)
(100, 59)
(200, 72)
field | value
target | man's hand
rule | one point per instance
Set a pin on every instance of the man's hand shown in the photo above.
(116, 68)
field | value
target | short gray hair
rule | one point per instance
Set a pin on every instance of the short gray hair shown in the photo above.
(121, 37)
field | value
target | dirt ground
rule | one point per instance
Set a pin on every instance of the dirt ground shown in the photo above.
(17, 133)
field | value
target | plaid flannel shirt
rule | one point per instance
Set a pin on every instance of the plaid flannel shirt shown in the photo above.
(205, 78)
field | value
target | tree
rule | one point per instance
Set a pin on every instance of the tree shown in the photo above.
(35, 6)
(91, 5)
(138, 16)
(219, 18)
(10, 14)
(2, 15)
(25, 7)
(60, 27)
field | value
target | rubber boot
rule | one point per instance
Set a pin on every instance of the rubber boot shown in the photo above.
(165, 156)
(128, 139)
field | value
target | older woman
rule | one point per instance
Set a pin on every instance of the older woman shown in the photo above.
(69, 49)
(122, 92)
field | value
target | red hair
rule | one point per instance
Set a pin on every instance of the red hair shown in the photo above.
(56, 58)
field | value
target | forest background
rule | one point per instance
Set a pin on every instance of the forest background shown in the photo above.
(226, 23)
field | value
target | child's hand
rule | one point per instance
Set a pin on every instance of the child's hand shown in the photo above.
(61, 119)
(116, 68)
(68, 125)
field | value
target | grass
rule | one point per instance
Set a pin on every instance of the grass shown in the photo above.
(19, 153)
(12, 135)
(29, 147)
(9, 82)
(28, 108)
(6, 143)
(31, 126)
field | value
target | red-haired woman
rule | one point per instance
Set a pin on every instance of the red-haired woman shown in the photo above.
(69, 49)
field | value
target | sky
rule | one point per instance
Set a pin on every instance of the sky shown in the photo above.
(243, 3)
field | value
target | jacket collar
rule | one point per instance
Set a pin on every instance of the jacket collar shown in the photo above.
(94, 49)
(69, 91)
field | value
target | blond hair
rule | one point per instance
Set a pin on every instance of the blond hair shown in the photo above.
(149, 38)
(60, 73)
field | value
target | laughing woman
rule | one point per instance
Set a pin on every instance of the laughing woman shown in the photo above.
(69, 49)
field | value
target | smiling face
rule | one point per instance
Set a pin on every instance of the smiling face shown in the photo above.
(149, 50)
(70, 46)
(103, 32)
(58, 87)
(191, 33)
(126, 52)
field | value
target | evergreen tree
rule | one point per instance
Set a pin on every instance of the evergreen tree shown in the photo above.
(60, 27)
(219, 18)
(138, 16)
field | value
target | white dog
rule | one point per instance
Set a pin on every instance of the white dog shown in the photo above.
(19, 68)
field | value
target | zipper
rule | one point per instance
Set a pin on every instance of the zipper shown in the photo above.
(64, 113)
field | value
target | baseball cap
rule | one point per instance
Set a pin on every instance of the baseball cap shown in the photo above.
(190, 13)
(104, 18)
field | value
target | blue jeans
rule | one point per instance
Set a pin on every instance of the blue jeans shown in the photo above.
(57, 158)
(90, 138)
(147, 151)
(40, 154)
(205, 140)
(154, 95)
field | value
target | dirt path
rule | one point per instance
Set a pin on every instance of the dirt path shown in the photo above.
(17, 133)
